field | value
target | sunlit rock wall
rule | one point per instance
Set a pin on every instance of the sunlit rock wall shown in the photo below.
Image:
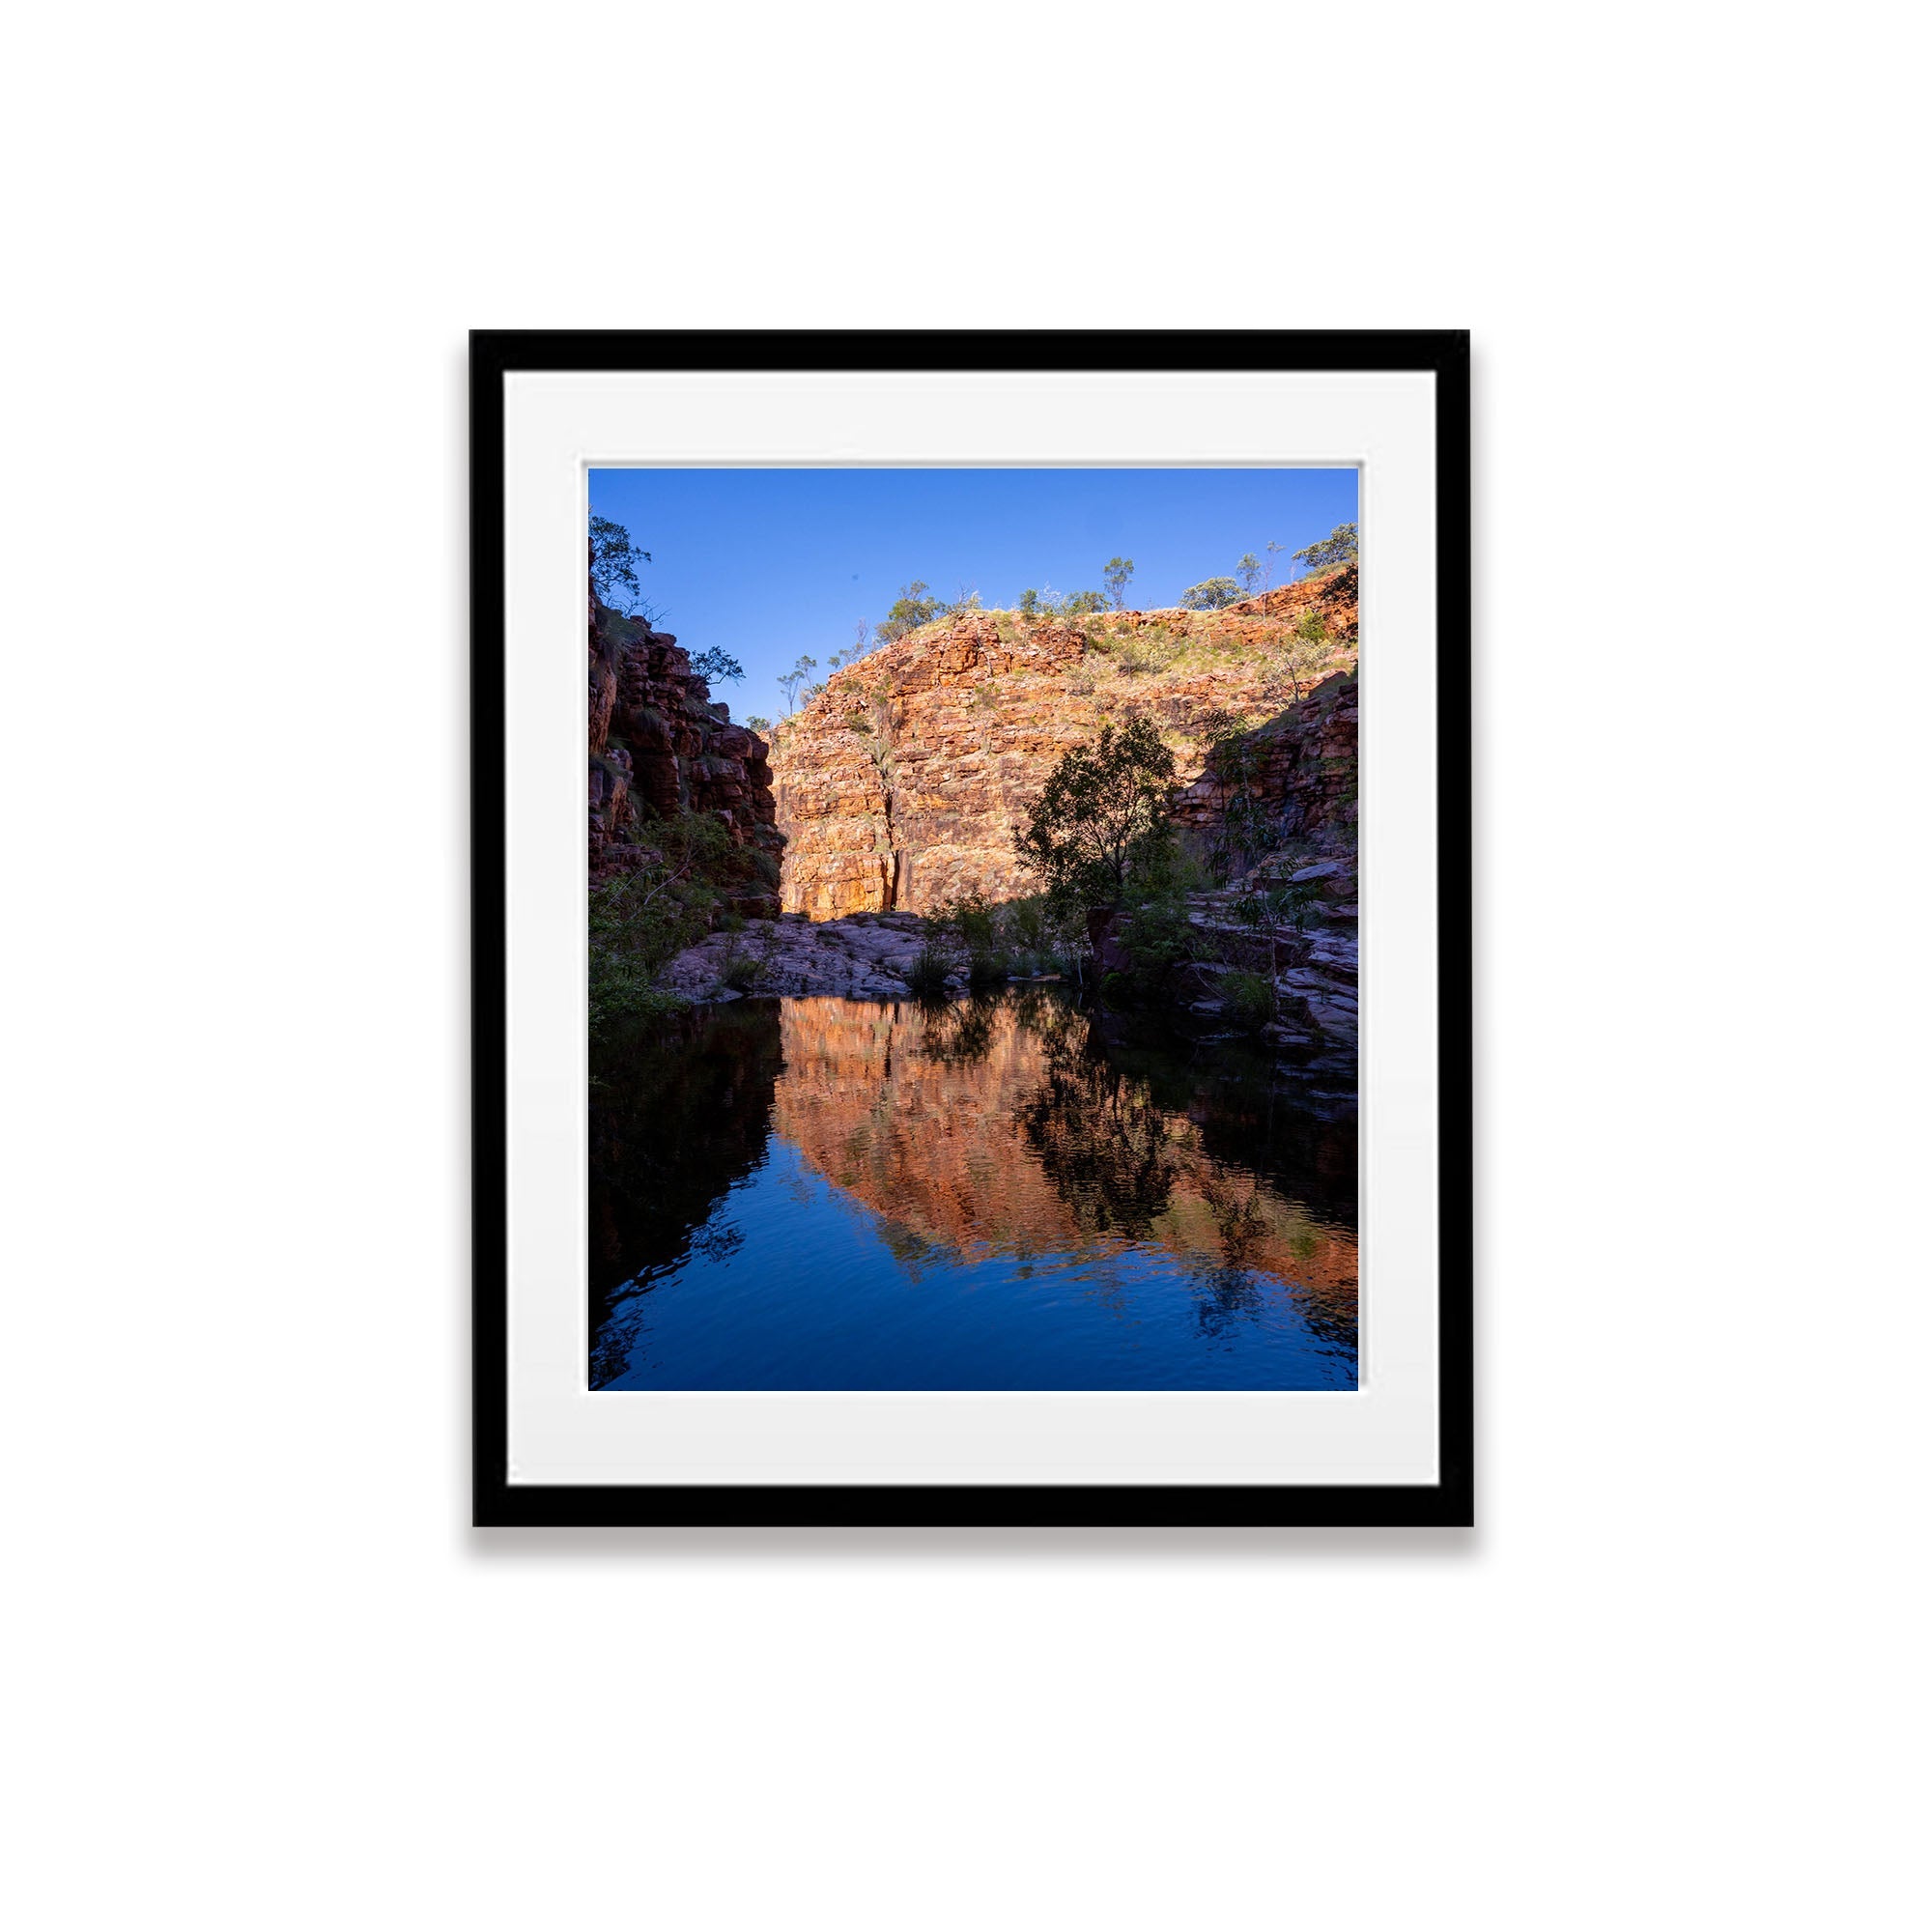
(902, 783)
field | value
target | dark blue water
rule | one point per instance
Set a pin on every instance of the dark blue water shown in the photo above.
(1009, 1193)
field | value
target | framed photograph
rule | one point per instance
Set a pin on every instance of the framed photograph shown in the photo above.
(972, 928)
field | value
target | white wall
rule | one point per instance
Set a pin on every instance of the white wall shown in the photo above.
(266, 1677)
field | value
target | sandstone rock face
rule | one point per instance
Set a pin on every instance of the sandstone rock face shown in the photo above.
(902, 783)
(1289, 784)
(659, 747)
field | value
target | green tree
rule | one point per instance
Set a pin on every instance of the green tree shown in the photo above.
(856, 649)
(614, 561)
(1249, 571)
(913, 607)
(1101, 818)
(1215, 594)
(1272, 550)
(716, 666)
(1341, 544)
(1081, 602)
(758, 725)
(1029, 605)
(642, 918)
(1119, 570)
(793, 678)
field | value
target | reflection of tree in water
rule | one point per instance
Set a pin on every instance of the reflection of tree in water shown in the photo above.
(913, 1251)
(1227, 1287)
(1017, 1125)
(679, 1110)
(718, 1241)
(960, 1035)
(1116, 1129)
(1230, 1090)
(1096, 1135)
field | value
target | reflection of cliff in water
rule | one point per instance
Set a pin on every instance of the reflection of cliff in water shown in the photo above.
(679, 1110)
(1011, 1126)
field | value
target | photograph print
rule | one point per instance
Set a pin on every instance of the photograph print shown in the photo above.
(973, 919)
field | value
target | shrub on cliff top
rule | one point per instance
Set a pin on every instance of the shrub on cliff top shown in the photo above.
(912, 608)
(716, 667)
(1342, 544)
(1049, 603)
(789, 683)
(1214, 594)
(613, 562)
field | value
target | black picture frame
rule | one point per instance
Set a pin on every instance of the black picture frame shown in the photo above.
(494, 355)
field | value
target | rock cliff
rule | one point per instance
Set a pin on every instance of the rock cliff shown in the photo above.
(903, 783)
(1289, 784)
(659, 747)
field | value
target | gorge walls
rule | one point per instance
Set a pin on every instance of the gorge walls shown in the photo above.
(659, 746)
(1290, 782)
(903, 783)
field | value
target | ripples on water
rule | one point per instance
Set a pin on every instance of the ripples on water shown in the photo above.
(1007, 1193)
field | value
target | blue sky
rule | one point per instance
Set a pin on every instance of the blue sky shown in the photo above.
(770, 563)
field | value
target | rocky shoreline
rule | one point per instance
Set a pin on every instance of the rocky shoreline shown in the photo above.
(1312, 962)
(864, 957)
(900, 785)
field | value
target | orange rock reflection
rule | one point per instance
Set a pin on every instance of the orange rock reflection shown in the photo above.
(999, 1127)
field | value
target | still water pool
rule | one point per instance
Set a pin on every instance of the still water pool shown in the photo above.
(1005, 1193)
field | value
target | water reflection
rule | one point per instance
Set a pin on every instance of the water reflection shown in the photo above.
(678, 1112)
(1001, 1193)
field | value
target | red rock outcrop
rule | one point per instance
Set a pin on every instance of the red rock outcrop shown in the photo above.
(1289, 782)
(659, 746)
(901, 785)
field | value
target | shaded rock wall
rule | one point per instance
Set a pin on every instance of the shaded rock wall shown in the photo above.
(659, 746)
(1291, 782)
(903, 783)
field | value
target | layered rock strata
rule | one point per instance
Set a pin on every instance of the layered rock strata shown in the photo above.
(1290, 784)
(901, 785)
(659, 747)
(1277, 814)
